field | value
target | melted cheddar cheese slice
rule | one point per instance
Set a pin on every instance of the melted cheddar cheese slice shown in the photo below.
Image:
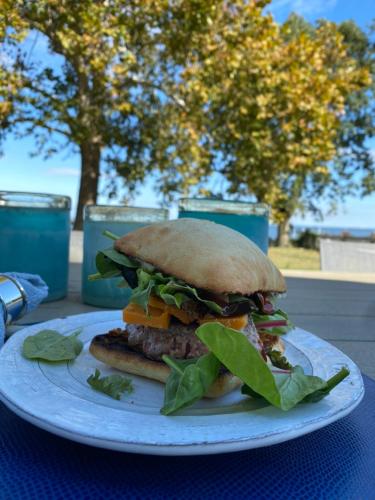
(235, 322)
(134, 314)
(183, 316)
(159, 316)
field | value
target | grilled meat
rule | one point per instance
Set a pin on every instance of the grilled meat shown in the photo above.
(179, 341)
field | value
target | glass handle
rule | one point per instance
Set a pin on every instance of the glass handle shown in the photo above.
(12, 298)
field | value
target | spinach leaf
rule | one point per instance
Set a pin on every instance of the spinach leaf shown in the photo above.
(189, 381)
(297, 376)
(278, 360)
(293, 387)
(109, 263)
(120, 258)
(242, 359)
(50, 345)
(316, 396)
(112, 385)
(106, 268)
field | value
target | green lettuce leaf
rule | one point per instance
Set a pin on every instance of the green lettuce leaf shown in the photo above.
(178, 286)
(112, 385)
(141, 294)
(188, 381)
(242, 359)
(169, 289)
(50, 345)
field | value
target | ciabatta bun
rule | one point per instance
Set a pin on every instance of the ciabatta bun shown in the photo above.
(124, 359)
(204, 254)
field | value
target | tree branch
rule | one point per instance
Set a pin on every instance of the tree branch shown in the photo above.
(180, 102)
(49, 128)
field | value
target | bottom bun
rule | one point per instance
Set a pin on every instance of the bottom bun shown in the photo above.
(119, 356)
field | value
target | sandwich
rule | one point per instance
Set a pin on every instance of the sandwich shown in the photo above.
(201, 311)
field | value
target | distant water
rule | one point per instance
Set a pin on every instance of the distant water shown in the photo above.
(331, 231)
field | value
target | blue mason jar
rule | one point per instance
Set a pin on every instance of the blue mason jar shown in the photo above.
(250, 219)
(119, 220)
(34, 237)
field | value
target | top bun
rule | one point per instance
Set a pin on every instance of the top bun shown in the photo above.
(204, 254)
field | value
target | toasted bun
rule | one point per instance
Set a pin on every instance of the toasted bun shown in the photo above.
(135, 363)
(204, 254)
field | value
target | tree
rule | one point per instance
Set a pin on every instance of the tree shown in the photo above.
(352, 169)
(274, 102)
(112, 97)
(355, 162)
(187, 88)
(10, 83)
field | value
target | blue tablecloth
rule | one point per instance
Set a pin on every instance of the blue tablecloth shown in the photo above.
(337, 462)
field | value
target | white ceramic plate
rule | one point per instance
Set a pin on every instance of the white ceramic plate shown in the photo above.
(58, 399)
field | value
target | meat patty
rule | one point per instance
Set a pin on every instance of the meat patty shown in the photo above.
(178, 341)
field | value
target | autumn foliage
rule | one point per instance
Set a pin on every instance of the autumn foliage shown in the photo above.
(181, 89)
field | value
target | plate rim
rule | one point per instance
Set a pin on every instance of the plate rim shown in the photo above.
(178, 449)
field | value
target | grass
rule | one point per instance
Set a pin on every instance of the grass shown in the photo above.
(295, 258)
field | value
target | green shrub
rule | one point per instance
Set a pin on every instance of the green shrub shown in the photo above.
(307, 239)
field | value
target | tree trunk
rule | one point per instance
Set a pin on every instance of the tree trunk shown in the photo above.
(88, 188)
(283, 239)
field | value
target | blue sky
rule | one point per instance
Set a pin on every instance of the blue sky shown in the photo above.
(60, 174)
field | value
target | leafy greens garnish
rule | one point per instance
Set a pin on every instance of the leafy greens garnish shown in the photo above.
(242, 359)
(291, 386)
(112, 385)
(145, 280)
(276, 323)
(316, 396)
(50, 345)
(171, 290)
(189, 381)
(110, 263)
(278, 360)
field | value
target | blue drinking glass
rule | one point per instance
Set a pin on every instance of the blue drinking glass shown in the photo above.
(34, 237)
(120, 221)
(250, 219)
